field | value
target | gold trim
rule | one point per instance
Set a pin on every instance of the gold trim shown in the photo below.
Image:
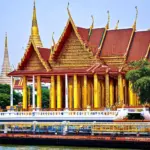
(70, 20)
(129, 44)
(148, 50)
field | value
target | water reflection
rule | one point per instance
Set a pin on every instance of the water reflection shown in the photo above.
(18, 147)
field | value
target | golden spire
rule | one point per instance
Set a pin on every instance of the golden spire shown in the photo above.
(92, 26)
(134, 25)
(53, 45)
(34, 30)
(108, 22)
(117, 25)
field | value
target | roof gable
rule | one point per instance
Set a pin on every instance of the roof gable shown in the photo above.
(34, 54)
(73, 54)
(66, 33)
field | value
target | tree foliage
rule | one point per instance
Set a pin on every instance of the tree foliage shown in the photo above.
(139, 76)
(45, 97)
(5, 96)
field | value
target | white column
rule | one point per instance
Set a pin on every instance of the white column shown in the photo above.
(33, 92)
(11, 92)
(66, 91)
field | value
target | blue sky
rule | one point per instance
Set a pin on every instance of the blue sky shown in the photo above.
(16, 17)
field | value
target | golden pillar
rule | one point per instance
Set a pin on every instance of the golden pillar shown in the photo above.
(111, 92)
(89, 93)
(79, 91)
(29, 97)
(103, 94)
(126, 92)
(39, 93)
(116, 93)
(25, 93)
(131, 95)
(75, 93)
(59, 93)
(92, 94)
(53, 94)
(70, 93)
(85, 92)
(107, 90)
(96, 92)
(120, 90)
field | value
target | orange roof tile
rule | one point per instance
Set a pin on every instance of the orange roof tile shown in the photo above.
(94, 41)
(45, 53)
(139, 46)
(116, 42)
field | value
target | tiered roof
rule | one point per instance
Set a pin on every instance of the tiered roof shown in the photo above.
(128, 44)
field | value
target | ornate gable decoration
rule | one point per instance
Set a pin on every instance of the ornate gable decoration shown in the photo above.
(37, 61)
(71, 49)
(73, 54)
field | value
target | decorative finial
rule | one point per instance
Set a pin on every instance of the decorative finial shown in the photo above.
(107, 26)
(53, 39)
(34, 4)
(117, 25)
(134, 25)
(68, 6)
(92, 21)
(34, 21)
(53, 46)
(68, 10)
(92, 26)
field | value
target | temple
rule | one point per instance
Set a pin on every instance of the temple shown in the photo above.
(86, 67)
(4, 79)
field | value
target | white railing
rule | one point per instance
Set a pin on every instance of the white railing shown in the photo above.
(58, 113)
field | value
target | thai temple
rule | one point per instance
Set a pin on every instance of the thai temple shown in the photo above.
(6, 68)
(86, 67)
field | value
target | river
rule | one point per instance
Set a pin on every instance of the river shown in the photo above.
(20, 147)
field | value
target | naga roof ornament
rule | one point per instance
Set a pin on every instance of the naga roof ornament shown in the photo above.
(117, 25)
(91, 27)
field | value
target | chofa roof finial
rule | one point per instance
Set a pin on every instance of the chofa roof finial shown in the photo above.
(134, 25)
(117, 25)
(53, 39)
(108, 22)
(53, 45)
(68, 10)
(92, 26)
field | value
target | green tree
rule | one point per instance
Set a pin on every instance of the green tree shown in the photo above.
(5, 96)
(139, 76)
(45, 98)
